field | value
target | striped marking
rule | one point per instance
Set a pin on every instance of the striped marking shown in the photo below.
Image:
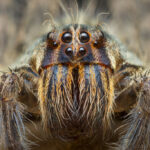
(95, 98)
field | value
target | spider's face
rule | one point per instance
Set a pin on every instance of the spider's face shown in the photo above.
(76, 87)
(74, 45)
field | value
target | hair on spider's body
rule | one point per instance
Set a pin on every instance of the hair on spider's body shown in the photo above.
(80, 86)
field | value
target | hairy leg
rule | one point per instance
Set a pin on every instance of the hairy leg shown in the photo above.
(137, 134)
(12, 131)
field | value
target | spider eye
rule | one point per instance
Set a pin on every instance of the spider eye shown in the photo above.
(84, 37)
(100, 42)
(51, 43)
(67, 37)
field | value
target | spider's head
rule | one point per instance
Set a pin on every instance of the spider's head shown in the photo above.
(76, 85)
(76, 44)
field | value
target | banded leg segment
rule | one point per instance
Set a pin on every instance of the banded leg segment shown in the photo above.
(12, 131)
(137, 134)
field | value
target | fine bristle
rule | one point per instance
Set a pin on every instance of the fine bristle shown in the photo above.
(70, 13)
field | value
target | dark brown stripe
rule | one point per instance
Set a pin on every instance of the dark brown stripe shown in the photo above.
(99, 79)
(75, 87)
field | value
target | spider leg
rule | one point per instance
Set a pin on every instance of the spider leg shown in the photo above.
(14, 96)
(137, 136)
(11, 113)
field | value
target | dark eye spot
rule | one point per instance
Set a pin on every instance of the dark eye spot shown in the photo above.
(51, 43)
(84, 37)
(96, 44)
(67, 37)
(55, 44)
(69, 52)
(100, 42)
(82, 51)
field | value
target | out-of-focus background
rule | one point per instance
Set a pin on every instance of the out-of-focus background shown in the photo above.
(21, 22)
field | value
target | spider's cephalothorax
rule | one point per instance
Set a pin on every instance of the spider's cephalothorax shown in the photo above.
(81, 84)
(76, 85)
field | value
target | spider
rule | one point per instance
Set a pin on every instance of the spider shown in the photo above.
(77, 88)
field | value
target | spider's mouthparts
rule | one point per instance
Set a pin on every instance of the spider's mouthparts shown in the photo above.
(75, 96)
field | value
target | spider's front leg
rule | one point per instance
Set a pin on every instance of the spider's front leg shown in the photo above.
(12, 129)
(11, 113)
(137, 136)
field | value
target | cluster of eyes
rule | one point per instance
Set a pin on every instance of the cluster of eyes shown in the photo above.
(67, 38)
(83, 37)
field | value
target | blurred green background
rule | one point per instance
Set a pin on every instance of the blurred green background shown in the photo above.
(21, 23)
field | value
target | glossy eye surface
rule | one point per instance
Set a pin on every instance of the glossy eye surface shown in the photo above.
(84, 37)
(100, 42)
(51, 43)
(82, 51)
(69, 52)
(67, 37)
